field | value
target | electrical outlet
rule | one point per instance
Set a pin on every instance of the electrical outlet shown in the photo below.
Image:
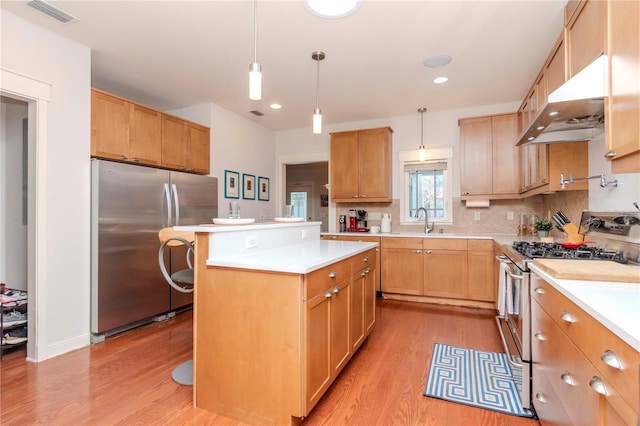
(476, 216)
(509, 215)
(251, 241)
(374, 216)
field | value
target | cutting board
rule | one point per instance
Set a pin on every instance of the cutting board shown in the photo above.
(589, 270)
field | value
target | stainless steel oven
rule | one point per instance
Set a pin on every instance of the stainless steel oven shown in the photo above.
(514, 318)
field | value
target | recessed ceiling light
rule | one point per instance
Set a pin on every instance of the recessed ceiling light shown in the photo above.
(440, 80)
(275, 106)
(437, 61)
(332, 9)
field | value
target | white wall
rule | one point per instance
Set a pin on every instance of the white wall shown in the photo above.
(239, 145)
(611, 198)
(13, 233)
(66, 65)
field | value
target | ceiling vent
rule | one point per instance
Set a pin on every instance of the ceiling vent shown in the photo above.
(53, 11)
(256, 112)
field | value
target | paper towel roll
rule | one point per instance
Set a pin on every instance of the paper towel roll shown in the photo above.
(477, 203)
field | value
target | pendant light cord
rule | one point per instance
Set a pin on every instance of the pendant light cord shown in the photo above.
(422, 111)
(255, 31)
(317, 80)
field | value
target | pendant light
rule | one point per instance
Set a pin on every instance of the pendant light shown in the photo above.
(422, 153)
(255, 74)
(317, 113)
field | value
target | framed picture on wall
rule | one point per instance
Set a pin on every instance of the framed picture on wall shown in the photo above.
(248, 187)
(231, 184)
(263, 188)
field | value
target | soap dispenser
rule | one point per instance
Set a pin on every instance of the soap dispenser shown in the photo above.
(385, 224)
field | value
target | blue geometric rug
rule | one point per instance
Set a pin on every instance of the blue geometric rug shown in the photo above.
(477, 378)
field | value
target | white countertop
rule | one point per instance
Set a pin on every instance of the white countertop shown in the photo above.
(615, 305)
(300, 258)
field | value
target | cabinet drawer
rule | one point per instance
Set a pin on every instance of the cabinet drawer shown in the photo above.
(409, 242)
(597, 342)
(362, 260)
(323, 278)
(480, 245)
(545, 400)
(445, 243)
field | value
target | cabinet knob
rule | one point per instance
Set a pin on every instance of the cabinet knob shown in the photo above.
(363, 273)
(363, 196)
(332, 274)
(354, 196)
(418, 251)
(328, 295)
(466, 193)
(610, 154)
(539, 290)
(597, 385)
(366, 259)
(334, 237)
(567, 378)
(336, 290)
(541, 397)
(135, 160)
(610, 358)
(122, 157)
(568, 317)
(540, 336)
(427, 251)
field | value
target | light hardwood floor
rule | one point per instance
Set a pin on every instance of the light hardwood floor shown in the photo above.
(127, 379)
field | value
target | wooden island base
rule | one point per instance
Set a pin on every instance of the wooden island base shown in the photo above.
(267, 345)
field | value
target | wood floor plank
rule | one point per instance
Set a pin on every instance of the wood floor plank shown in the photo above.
(127, 379)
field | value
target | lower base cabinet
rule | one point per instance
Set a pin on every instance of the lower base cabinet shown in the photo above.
(267, 345)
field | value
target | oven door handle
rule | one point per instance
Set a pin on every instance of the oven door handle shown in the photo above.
(504, 343)
(513, 276)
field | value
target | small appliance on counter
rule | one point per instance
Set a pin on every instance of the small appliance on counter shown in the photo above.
(358, 220)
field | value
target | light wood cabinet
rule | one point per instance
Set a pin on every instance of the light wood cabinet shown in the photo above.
(361, 165)
(445, 268)
(488, 143)
(586, 34)
(375, 272)
(555, 69)
(569, 349)
(622, 122)
(126, 131)
(480, 270)
(267, 345)
(402, 267)
(543, 164)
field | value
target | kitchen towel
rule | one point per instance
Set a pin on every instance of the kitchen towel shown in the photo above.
(502, 288)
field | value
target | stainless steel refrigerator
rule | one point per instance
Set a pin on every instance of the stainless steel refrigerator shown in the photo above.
(129, 205)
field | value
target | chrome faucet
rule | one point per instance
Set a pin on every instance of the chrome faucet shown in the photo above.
(426, 219)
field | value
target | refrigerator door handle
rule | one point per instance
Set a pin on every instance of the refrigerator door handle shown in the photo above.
(177, 202)
(168, 197)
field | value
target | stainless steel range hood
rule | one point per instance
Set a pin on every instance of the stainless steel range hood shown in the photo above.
(574, 112)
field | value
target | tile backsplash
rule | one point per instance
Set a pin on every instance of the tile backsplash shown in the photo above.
(493, 220)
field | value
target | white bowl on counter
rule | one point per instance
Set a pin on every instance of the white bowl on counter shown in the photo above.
(288, 219)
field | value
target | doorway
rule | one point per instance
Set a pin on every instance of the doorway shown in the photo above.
(306, 189)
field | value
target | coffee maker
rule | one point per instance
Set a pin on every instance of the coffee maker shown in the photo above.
(358, 220)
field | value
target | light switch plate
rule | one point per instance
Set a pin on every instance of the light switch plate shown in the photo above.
(374, 216)
(251, 241)
(476, 216)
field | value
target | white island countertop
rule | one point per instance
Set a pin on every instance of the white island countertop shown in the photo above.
(615, 305)
(300, 258)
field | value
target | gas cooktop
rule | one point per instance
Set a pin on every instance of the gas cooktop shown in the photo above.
(537, 250)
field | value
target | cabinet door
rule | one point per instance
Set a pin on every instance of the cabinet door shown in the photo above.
(586, 35)
(374, 164)
(555, 72)
(476, 156)
(402, 271)
(198, 156)
(356, 319)
(145, 126)
(344, 165)
(480, 270)
(109, 124)
(318, 329)
(339, 346)
(370, 285)
(173, 143)
(445, 273)
(505, 154)
(623, 102)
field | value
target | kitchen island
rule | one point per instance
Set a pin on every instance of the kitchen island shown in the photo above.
(278, 313)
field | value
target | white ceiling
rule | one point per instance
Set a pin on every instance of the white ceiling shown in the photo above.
(172, 54)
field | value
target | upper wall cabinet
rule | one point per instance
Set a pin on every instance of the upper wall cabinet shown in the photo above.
(623, 103)
(361, 166)
(586, 34)
(487, 145)
(126, 131)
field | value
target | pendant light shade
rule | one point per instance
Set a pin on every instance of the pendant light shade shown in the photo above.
(422, 151)
(317, 112)
(255, 74)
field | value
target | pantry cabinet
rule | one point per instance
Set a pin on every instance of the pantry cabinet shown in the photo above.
(361, 165)
(126, 131)
(488, 144)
